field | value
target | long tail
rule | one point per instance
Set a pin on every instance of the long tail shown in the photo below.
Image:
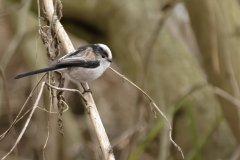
(38, 71)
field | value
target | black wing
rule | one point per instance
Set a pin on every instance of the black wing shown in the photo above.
(74, 62)
(82, 57)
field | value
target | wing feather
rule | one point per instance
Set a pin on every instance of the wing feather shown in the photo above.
(74, 62)
(84, 52)
(82, 57)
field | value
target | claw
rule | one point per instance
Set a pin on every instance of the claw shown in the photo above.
(87, 90)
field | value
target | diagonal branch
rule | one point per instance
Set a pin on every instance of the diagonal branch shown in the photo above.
(93, 113)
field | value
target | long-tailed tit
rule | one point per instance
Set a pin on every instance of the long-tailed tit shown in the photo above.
(86, 64)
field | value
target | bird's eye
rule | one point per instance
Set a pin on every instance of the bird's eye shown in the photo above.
(103, 56)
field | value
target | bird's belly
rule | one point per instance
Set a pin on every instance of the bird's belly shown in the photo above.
(79, 74)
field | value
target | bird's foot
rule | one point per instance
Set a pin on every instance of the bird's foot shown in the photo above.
(87, 90)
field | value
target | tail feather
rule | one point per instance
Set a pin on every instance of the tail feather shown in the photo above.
(37, 72)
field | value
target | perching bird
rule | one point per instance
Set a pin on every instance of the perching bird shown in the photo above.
(86, 64)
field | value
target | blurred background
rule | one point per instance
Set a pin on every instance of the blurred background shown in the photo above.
(184, 54)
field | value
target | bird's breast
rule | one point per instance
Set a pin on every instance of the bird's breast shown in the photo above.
(79, 74)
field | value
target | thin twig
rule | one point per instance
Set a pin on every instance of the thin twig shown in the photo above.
(227, 96)
(39, 15)
(28, 120)
(67, 89)
(19, 113)
(132, 83)
(48, 125)
(155, 106)
(45, 110)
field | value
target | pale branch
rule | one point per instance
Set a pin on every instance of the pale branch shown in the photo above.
(93, 113)
(155, 106)
(227, 96)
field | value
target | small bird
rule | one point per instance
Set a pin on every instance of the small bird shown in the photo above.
(85, 64)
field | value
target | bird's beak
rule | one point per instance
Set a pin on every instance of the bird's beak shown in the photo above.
(109, 60)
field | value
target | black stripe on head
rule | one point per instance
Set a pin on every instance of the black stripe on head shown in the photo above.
(98, 49)
(101, 51)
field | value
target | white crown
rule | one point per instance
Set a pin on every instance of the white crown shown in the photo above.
(106, 49)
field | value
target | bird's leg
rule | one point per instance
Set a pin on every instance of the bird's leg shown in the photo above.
(85, 90)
